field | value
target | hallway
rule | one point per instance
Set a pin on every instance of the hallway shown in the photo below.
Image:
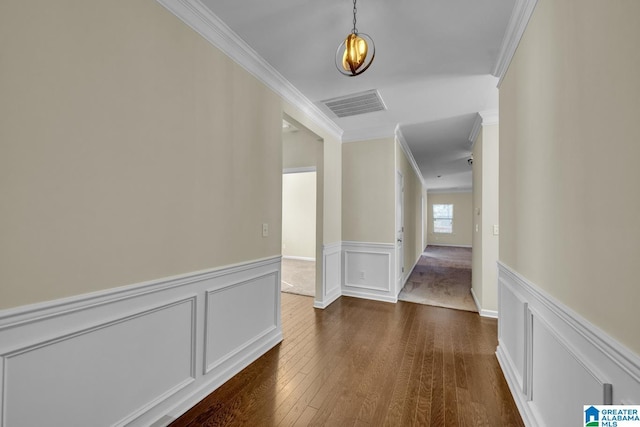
(442, 278)
(362, 362)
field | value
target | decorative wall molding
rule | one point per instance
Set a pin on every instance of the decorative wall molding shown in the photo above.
(409, 154)
(299, 258)
(483, 118)
(200, 18)
(489, 117)
(369, 271)
(554, 359)
(331, 275)
(475, 130)
(522, 11)
(303, 169)
(136, 355)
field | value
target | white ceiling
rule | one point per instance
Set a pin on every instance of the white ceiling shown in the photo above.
(433, 66)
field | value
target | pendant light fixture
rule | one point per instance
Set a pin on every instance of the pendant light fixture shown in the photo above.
(355, 54)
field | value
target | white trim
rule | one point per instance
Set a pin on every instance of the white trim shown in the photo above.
(522, 11)
(407, 151)
(489, 117)
(449, 190)
(17, 316)
(304, 169)
(328, 300)
(539, 336)
(475, 130)
(618, 353)
(369, 295)
(368, 245)
(299, 258)
(367, 134)
(166, 319)
(200, 18)
(369, 271)
(526, 412)
(493, 314)
(332, 246)
(331, 275)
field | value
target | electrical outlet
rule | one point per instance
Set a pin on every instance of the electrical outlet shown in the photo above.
(362, 275)
(265, 229)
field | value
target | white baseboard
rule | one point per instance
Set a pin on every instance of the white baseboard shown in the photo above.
(326, 302)
(136, 355)
(369, 295)
(553, 359)
(449, 246)
(369, 271)
(482, 312)
(299, 258)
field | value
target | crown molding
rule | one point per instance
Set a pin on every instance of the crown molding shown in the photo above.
(483, 118)
(378, 132)
(409, 154)
(522, 11)
(489, 117)
(200, 18)
(475, 130)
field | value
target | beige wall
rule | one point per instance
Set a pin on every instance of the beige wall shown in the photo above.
(131, 150)
(329, 179)
(299, 215)
(368, 191)
(569, 198)
(485, 217)
(300, 149)
(412, 210)
(462, 219)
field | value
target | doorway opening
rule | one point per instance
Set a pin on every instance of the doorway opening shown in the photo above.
(302, 152)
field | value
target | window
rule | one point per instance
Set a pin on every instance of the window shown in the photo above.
(443, 219)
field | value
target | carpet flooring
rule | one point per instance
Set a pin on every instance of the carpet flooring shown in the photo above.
(298, 277)
(441, 278)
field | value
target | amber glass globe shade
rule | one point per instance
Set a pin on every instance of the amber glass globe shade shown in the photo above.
(355, 53)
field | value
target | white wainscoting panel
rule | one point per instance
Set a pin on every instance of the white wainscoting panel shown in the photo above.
(554, 360)
(250, 306)
(331, 275)
(136, 355)
(369, 271)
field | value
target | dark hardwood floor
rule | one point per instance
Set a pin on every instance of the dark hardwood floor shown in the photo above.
(368, 363)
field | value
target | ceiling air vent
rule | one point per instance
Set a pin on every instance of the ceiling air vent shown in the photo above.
(357, 103)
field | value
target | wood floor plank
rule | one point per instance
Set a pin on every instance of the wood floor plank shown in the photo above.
(422, 415)
(368, 363)
(398, 397)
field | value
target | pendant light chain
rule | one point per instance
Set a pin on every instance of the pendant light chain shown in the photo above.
(355, 10)
(355, 54)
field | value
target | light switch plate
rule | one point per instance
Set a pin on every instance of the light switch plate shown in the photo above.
(265, 229)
